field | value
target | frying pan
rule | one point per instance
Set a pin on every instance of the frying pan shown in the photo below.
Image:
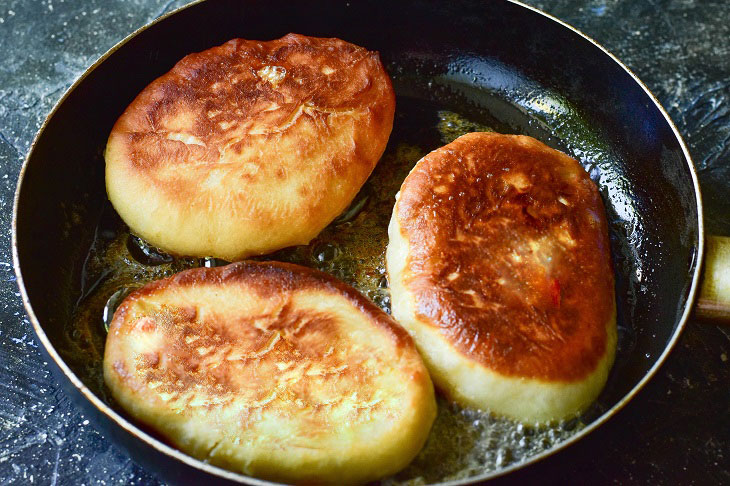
(500, 62)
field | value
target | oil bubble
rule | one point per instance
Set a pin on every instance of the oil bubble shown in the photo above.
(382, 301)
(211, 262)
(325, 253)
(595, 174)
(504, 457)
(145, 253)
(112, 304)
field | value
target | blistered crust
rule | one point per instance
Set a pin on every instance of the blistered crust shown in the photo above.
(271, 370)
(509, 256)
(250, 146)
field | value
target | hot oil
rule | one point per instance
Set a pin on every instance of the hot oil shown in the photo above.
(466, 443)
(110, 272)
(463, 443)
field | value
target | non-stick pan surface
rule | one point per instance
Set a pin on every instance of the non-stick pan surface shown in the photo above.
(497, 63)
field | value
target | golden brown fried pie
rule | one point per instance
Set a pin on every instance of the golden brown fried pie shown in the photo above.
(251, 146)
(500, 268)
(272, 370)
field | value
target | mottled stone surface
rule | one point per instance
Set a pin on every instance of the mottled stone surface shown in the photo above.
(676, 431)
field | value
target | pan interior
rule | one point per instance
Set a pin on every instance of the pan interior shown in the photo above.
(484, 73)
(463, 443)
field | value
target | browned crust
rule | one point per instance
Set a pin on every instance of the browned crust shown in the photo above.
(470, 211)
(265, 279)
(169, 352)
(230, 96)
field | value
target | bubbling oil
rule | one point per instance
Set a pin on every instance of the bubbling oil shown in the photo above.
(463, 442)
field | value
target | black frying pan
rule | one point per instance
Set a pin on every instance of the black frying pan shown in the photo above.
(497, 62)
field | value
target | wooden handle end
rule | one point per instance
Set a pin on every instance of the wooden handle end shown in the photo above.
(714, 300)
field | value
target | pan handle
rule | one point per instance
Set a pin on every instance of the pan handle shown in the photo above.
(714, 301)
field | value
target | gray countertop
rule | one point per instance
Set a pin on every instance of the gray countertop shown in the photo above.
(676, 431)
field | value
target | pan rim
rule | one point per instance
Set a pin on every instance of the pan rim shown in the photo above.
(163, 448)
